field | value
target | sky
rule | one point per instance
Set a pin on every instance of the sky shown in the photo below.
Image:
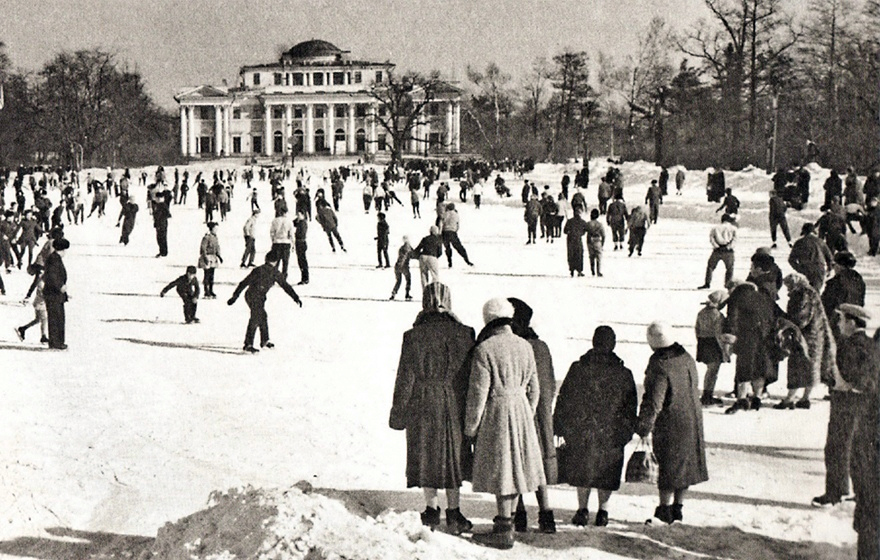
(180, 43)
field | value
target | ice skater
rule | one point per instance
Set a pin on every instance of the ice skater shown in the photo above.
(382, 231)
(39, 304)
(401, 268)
(187, 287)
(258, 283)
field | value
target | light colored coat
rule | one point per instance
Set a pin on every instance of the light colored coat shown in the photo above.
(502, 399)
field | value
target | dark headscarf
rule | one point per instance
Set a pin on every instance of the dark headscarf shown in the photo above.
(522, 316)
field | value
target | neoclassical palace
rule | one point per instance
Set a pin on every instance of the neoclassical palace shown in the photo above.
(314, 100)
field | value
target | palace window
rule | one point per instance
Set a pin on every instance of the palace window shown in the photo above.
(236, 144)
(379, 77)
(278, 112)
(360, 110)
(339, 111)
(338, 78)
(206, 113)
(357, 77)
(435, 109)
(340, 135)
(236, 113)
(256, 78)
(319, 111)
(383, 143)
(277, 77)
(319, 140)
(298, 79)
(297, 112)
(318, 79)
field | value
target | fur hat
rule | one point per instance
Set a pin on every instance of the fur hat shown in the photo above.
(604, 339)
(716, 298)
(659, 335)
(60, 244)
(436, 297)
(845, 259)
(497, 308)
(853, 310)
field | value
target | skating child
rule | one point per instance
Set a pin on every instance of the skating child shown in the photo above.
(401, 268)
(187, 287)
(711, 350)
(382, 230)
(40, 314)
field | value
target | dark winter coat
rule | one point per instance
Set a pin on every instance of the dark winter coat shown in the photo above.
(429, 400)
(575, 229)
(811, 257)
(806, 311)
(671, 411)
(327, 218)
(751, 317)
(54, 277)
(616, 214)
(187, 288)
(847, 286)
(596, 415)
(503, 395)
(544, 412)
(258, 283)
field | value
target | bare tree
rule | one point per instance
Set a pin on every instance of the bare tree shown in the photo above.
(534, 87)
(402, 102)
(493, 96)
(571, 77)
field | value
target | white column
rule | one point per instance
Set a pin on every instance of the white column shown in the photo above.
(184, 137)
(352, 144)
(457, 126)
(227, 124)
(373, 144)
(267, 149)
(288, 128)
(310, 129)
(449, 135)
(218, 129)
(191, 130)
(426, 137)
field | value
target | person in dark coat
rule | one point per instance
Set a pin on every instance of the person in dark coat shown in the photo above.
(811, 257)
(382, 231)
(671, 411)
(522, 316)
(258, 283)
(778, 207)
(846, 286)
(327, 218)
(616, 216)
(751, 317)
(595, 415)
(531, 216)
(865, 466)
(575, 230)
(663, 181)
(872, 226)
(765, 273)
(161, 213)
(833, 187)
(429, 402)
(654, 198)
(300, 242)
(127, 215)
(55, 292)
(638, 227)
(187, 287)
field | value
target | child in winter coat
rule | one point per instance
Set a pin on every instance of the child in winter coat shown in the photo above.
(401, 268)
(187, 287)
(711, 348)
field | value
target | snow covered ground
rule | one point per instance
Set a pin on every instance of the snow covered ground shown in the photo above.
(143, 417)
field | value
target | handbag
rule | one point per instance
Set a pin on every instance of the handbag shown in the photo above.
(642, 464)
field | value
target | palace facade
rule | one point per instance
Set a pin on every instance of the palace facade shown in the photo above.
(314, 100)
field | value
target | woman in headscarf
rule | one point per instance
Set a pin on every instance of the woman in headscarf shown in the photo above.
(805, 310)
(522, 317)
(671, 411)
(429, 400)
(595, 415)
(502, 399)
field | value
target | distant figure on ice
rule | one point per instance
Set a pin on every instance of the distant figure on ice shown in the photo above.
(258, 283)
(811, 257)
(127, 216)
(55, 293)
(39, 304)
(663, 181)
(428, 252)
(209, 258)
(327, 218)
(280, 234)
(161, 213)
(187, 287)
(382, 232)
(450, 223)
(654, 198)
(778, 207)
(300, 233)
(679, 180)
(429, 400)
(575, 229)
(638, 227)
(616, 217)
(401, 268)
(723, 239)
(250, 249)
(595, 242)
(531, 216)
(712, 349)
(730, 205)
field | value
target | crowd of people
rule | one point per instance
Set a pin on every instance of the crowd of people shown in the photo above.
(504, 376)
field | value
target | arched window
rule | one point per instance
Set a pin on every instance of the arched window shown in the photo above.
(340, 135)
(361, 140)
(298, 141)
(320, 145)
(278, 142)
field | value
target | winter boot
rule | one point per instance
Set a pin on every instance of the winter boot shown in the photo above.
(676, 512)
(520, 519)
(601, 518)
(581, 518)
(546, 523)
(431, 517)
(456, 523)
(501, 536)
(741, 404)
(664, 514)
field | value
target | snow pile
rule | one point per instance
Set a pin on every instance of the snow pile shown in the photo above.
(297, 524)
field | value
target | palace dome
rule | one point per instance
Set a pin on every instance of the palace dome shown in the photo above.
(312, 49)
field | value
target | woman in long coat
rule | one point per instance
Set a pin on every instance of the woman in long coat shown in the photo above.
(671, 411)
(522, 316)
(596, 415)
(209, 259)
(429, 400)
(805, 310)
(503, 395)
(575, 230)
